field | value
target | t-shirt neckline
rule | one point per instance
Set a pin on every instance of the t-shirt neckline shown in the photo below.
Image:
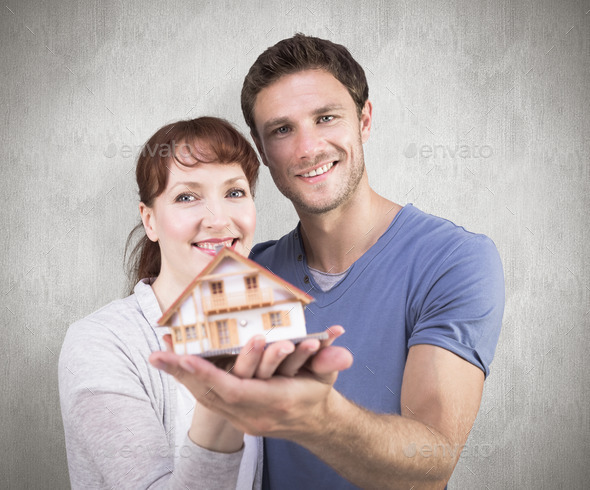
(326, 298)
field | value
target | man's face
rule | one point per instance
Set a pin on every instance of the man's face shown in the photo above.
(310, 137)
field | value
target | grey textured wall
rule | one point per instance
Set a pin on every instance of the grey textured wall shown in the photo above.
(481, 116)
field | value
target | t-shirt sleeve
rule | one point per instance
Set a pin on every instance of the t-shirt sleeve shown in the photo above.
(114, 437)
(464, 303)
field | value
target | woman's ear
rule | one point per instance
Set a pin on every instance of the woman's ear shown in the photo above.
(148, 220)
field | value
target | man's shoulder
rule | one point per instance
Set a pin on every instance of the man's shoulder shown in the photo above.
(434, 233)
(270, 250)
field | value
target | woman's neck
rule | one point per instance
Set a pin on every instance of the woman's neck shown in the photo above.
(166, 290)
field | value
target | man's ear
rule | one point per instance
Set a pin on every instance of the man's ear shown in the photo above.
(366, 120)
(148, 220)
(259, 147)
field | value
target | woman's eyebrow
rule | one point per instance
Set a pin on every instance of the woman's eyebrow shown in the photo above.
(195, 184)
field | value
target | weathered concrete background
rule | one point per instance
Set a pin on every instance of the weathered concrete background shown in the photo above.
(481, 116)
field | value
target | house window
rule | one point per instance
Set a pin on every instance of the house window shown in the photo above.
(274, 319)
(223, 334)
(251, 282)
(191, 332)
(178, 334)
(216, 287)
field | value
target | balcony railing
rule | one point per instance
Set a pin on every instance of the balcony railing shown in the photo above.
(251, 298)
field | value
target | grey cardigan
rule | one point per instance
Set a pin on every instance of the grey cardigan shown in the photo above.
(119, 412)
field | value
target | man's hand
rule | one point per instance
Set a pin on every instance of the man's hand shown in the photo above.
(293, 382)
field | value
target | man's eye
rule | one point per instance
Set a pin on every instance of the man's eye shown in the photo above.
(326, 118)
(236, 193)
(282, 130)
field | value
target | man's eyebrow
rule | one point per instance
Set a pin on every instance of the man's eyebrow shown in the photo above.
(327, 109)
(281, 121)
(276, 122)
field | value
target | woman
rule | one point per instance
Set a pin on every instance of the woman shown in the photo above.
(126, 423)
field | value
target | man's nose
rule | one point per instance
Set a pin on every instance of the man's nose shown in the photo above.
(309, 143)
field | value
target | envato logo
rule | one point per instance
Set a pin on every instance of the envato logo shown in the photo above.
(448, 451)
(447, 151)
(161, 150)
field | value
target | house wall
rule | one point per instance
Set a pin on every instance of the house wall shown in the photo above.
(192, 347)
(255, 326)
(235, 284)
(187, 311)
(232, 284)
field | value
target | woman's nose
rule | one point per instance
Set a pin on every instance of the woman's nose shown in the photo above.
(216, 216)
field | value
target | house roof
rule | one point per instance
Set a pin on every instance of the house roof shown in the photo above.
(226, 252)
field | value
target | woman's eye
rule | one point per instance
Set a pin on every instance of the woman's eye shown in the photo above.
(185, 198)
(236, 193)
(282, 130)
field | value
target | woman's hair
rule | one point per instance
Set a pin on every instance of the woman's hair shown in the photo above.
(208, 140)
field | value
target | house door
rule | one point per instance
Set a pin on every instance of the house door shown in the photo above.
(225, 333)
(253, 296)
(218, 300)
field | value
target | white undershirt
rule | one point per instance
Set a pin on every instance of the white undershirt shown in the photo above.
(325, 280)
(185, 405)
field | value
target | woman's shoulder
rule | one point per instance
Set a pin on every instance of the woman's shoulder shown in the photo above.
(107, 353)
(116, 339)
(109, 319)
(118, 327)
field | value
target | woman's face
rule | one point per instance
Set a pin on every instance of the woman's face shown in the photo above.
(203, 206)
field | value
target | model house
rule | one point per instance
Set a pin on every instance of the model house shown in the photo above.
(229, 302)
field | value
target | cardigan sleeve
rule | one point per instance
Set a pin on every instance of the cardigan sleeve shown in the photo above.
(115, 435)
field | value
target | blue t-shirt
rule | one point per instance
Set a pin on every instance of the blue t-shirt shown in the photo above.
(425, 281)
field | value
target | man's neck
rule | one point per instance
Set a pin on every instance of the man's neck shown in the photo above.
(334, 240)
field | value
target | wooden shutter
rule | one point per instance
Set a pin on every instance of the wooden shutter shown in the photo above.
(232, 325)
(285, 319)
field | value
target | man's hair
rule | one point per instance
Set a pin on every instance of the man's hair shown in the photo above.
(300, 53)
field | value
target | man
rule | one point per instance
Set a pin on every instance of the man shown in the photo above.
(421, 299)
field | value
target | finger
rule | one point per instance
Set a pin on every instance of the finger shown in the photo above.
(293, 362)
(333, 332)
(168, 341)
(331, 359)
(249, 357)
(272, 357)
(166, 361)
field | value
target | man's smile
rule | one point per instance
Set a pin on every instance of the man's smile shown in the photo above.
(319, 171)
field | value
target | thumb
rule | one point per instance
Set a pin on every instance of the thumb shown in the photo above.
(331, 359)
(168, 341)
